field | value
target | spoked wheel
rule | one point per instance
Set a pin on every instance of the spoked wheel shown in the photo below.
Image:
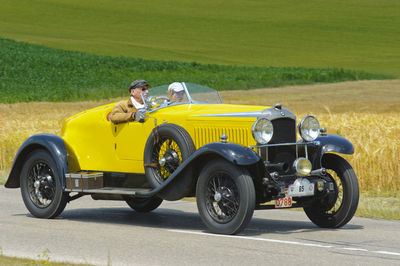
(337, 208)
(166, 149)
(144, 205)
(169, 157)
(225, 197)
(40, 186)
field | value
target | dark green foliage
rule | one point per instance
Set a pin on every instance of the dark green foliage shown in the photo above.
(37, 73)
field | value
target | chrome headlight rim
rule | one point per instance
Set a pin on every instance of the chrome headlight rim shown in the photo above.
(260, 140)
(305, 132)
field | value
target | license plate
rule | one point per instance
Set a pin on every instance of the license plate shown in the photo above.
(301, 188)
(283, 202)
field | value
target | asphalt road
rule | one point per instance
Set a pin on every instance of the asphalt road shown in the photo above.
(102, 232)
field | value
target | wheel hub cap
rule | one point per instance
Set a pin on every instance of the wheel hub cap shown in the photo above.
(170, 160)
(162, 161)
(217, 196)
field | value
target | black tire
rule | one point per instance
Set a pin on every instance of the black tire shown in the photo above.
(337, 211)
(41, 187)
(144, 204)
(166, 148)
(225, 197)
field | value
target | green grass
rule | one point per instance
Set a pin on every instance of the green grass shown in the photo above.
(3, 176)
(350, 34)
(12, 261)
(37, 73)
(379, 207)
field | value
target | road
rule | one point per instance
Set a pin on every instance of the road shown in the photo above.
(109, 232)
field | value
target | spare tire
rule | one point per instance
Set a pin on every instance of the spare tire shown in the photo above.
(166, 148)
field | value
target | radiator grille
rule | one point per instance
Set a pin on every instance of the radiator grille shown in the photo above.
(204, 135)
(284, 132)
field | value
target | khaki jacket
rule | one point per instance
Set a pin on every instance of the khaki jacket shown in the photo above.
(123, 112)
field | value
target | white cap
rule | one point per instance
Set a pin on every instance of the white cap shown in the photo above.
(176, 87)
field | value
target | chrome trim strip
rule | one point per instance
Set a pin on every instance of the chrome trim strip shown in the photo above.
(220, 98)
(187, 92)
(238, 114)
(285, 144)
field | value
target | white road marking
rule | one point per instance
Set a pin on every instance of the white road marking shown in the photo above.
(355, 249)
(387, 253)
(286, 242)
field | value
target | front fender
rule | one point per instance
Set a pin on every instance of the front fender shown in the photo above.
(330, 143)
(231, 152)
(51, 143)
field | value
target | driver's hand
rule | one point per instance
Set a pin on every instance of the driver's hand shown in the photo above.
(140, 115)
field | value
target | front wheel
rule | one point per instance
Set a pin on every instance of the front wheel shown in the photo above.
(225, 197)
(336, 210)
(41, 187)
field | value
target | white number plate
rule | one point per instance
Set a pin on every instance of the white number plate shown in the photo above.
(301, 188)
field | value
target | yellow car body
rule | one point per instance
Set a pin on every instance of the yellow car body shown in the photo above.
(96, 144)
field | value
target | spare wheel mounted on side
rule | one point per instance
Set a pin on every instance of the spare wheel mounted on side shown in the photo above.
(166, 148)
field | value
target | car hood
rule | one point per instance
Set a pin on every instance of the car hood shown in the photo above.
(226, 110)
(213, 111)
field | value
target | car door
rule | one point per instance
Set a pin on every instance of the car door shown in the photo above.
(129, 142)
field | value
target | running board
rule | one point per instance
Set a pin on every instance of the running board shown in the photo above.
(93, 183)
(112, 190)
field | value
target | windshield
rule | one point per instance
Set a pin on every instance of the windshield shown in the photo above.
(181, 93)
(203, 94)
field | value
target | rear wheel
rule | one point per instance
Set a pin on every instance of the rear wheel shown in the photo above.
(41, 187)
(225, 197)
(336, 209)
(144, 204)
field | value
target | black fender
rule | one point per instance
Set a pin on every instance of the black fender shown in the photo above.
(53, 144)
(330, 143)
(234, 153)
(231, 152)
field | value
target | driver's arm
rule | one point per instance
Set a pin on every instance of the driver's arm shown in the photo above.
(122, 113)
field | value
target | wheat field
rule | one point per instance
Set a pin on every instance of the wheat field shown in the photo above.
(366, 112)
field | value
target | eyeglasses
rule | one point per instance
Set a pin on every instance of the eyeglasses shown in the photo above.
(143, 88)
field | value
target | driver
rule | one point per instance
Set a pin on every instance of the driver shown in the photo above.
(176, 92)
(133, 108)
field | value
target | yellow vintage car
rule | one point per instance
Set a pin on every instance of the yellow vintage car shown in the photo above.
(232, 158)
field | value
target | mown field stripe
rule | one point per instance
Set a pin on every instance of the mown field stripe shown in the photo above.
(348, 34)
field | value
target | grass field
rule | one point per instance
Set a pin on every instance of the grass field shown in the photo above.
(37, 73)
(349, 34)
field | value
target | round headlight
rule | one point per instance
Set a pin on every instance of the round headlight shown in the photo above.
(263, 130)
(302, 166)
(309, 128)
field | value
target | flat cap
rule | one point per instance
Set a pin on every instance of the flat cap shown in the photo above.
(138, 83)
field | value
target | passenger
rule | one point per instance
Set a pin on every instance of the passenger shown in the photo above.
(133, 108)
(176, 92)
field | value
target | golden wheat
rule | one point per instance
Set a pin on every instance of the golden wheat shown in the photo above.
(376, 140)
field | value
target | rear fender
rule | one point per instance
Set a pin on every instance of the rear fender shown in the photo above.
(53, 144)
